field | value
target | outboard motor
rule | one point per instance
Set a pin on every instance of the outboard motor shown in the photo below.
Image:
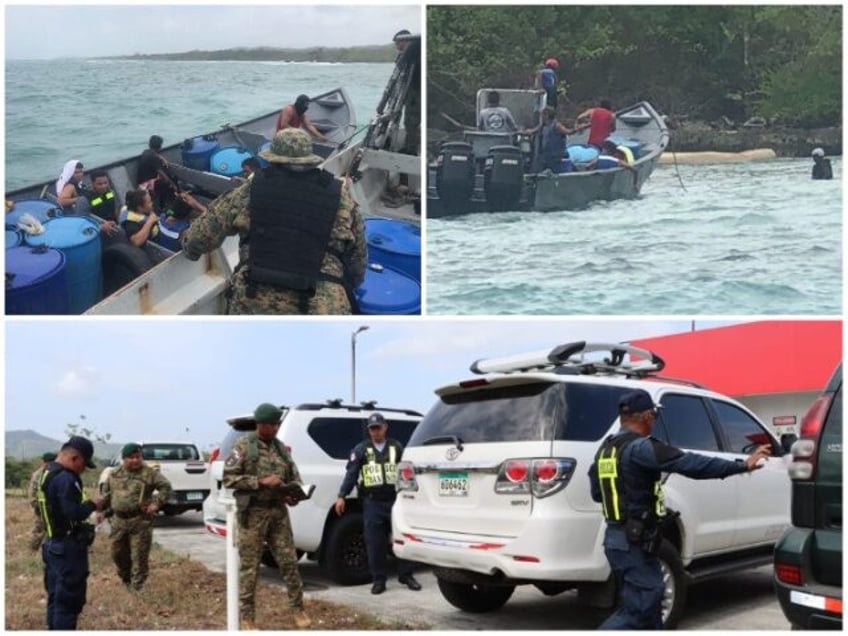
(455, 173)
(503, 177)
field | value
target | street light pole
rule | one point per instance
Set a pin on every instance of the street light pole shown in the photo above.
(353, 362)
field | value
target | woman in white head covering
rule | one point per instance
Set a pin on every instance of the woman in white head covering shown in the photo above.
(66, 185)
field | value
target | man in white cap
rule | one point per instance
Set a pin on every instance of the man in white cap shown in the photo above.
(302, 247)
(821, 165)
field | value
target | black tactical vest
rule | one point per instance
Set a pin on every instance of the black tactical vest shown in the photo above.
(291, 218)
(626, 489)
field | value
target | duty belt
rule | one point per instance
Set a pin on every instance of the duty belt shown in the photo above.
(127, 515)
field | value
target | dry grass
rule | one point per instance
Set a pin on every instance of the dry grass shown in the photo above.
(179, 595)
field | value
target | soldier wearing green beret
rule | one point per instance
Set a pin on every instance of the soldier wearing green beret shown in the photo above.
(255, 469)
(36, 535)
(131, 504)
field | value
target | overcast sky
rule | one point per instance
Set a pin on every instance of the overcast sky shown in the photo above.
(149, 379)
(46, 32)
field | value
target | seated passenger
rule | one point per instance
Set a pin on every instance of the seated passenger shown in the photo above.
(102, 203)
(620, 152)
(68, 185)
(294, 116)
(495, 118)
(141, 223)
(249, 167)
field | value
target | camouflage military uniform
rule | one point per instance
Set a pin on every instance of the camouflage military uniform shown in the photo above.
(266, 520)
(125, 493)
(229, 215)
(36, 535)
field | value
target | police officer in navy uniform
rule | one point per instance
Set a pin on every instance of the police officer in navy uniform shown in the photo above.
(625, 479)
(374, 463)
(65, 550)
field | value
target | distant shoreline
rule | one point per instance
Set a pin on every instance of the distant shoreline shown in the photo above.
(374, 54)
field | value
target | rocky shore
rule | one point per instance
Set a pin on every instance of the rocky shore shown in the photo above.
(786, 142)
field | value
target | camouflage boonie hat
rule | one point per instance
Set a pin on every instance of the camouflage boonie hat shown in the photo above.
(293, 146)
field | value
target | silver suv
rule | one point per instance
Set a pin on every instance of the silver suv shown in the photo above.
(494, 490)
(320, 438)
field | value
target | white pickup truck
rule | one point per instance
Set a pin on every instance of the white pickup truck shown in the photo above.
(182, 465)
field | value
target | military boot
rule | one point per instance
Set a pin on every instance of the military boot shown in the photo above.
(301, 619)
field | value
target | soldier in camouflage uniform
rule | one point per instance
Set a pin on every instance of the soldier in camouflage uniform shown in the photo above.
(131, 506)
(300, 214)
(36, 535)
(257, 466)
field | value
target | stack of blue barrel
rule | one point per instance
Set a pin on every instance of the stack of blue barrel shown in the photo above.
(392, 283)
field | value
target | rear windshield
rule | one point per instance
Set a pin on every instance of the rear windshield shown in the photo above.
(338, 435)
(160, 452)
(527, 412)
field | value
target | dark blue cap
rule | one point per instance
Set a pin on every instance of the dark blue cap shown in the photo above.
(376, 419)
(635, 402)
(85, 448)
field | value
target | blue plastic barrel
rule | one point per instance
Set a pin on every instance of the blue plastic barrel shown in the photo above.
(36, 282)
(196, 152)
(13, 238)
(387, 292)
(169, 232)
(41, 209)
(263, 148)
(227, 161)
(79, 240)
(581, 154)
(395, 244)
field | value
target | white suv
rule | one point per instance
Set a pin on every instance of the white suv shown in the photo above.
(320, 438)
(494, 487)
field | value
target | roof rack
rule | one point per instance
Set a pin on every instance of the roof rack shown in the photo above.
(566, 355)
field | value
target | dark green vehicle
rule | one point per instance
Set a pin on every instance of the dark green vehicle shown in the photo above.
(808, 559)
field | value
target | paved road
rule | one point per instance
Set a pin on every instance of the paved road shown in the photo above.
(744, 601)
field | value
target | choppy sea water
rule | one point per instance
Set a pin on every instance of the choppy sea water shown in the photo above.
(751, 238)
(100, 111)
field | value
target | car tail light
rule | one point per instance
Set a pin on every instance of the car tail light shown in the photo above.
(406, 477)
(813, 420)
(214, 455)
(471, 384)
(540, 477)
(789, 574)
(803, 466)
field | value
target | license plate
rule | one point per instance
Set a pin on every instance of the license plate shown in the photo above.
(194, 496)
(453, 484)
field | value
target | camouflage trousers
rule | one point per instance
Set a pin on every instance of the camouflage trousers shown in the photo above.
(131, 542)
(271, 527)
(330, 299)
(36, 535)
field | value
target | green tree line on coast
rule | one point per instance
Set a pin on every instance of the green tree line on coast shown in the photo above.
(361, 54)
(782, 63)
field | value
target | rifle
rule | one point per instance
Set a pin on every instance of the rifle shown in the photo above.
(389, 110)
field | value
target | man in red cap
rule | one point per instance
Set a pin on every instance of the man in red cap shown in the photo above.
(546, 79)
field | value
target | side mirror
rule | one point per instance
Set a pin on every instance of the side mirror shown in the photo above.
(786, 441)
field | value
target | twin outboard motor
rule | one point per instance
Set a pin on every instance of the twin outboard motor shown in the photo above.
(503, 177)
(455, 173)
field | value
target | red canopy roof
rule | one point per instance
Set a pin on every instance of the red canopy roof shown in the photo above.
(772, 356)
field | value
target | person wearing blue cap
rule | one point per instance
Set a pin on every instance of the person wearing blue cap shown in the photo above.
(64, 510)
(373, 464)
(625, 480)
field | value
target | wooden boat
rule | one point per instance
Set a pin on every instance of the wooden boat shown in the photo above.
(209, 165)
(489, 171)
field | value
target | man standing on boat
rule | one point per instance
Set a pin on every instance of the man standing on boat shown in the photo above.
(294, 116)
(601, 122)
(302, 247)
(495, 118)
(409, 54)
(546, 79)
(554, 139)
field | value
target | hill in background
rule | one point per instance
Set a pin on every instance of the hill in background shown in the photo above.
(28, 444)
